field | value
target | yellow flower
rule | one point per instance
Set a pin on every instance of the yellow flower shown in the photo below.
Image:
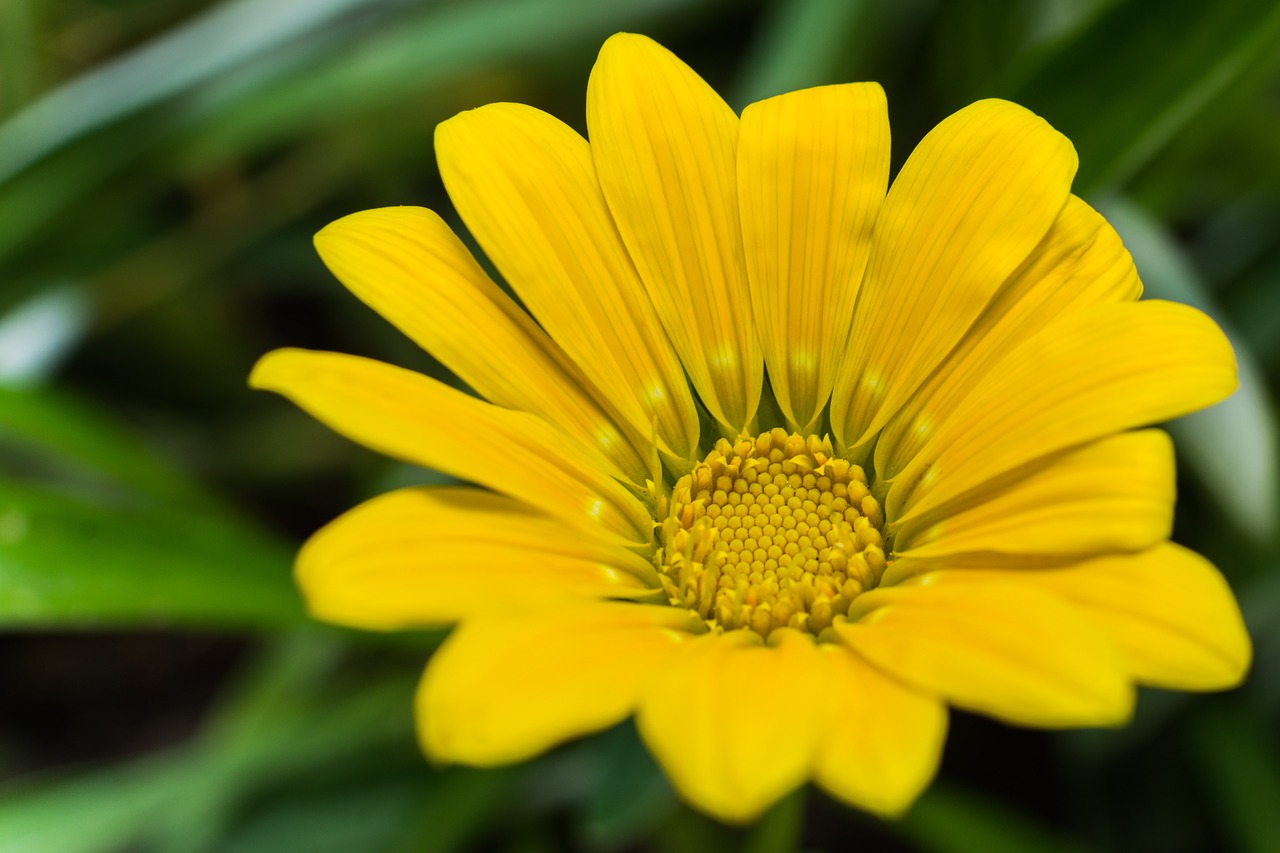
(948, 503)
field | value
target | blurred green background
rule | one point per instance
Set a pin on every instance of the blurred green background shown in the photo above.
(163, 165)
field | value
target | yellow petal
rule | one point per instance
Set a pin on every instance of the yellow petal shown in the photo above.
(412, 417)
(1096, 371)
(1080, 262)
(735, 723)
(432, 556)
(664, 145)
(1168, 610)
(1116, 494)
(505, 689)
(408, 265)
(1004, 649)
(525, 185)
(813, 167)
(968, 207)
(884, 746)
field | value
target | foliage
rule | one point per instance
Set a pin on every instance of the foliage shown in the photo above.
(162, 167)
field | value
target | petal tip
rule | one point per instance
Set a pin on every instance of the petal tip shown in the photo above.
(270, 369)
(1234, 656)
(629, 41)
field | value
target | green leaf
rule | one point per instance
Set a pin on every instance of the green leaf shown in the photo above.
(108, 807)
(66, 427)
(461, 806)
(1124, 87)
(283, 724)
(290, 83)
(37, 335)
(1232, 447)
(366, 812)
(424, 50)
(19, 71)
(949, 820)
(68, 562)
(1260, 602)
(1239, 758)
(318, 735)
(211, 44)
(626, 793)
(801, 44)
(781, 828)
(973, 42)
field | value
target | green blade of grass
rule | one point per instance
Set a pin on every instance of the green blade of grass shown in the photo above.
(800, 45)
(424, 50)
(19, 57)
(211, 44)
(1101, 87)
(1240, 762)
(109, 806)
(70, 562)
(951, 820)
(282, 725)
(76, 433)
(307, 84)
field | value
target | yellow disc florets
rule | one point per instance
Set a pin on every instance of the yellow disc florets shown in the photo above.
(771, 532)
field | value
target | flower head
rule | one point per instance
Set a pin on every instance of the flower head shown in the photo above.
(942, 499)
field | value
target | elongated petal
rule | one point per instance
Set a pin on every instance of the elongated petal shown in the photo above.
(1017, 653)
(417, 419)
(735, 723)
(408, 265)
(884, 745)
(1095, 372)
(502, 690)
(1116, 494)
(813, 167)
(1168, 610)
(970, 204)
(1080, 262)
(664, 145)
(433, 556)
(526, 187)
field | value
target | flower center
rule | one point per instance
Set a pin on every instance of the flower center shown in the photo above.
(771, 532)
